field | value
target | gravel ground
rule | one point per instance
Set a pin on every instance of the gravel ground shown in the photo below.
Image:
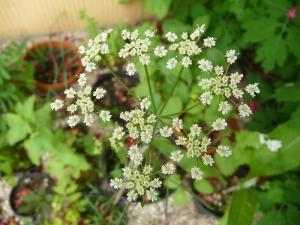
(154, 214)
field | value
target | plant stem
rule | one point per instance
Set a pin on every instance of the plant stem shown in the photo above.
(117, 77)
(150, 90)
(172, 91)
(182, 112)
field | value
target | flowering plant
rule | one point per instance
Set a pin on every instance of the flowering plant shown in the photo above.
(148, 119)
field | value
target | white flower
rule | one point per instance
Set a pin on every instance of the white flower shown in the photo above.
(70, 93)
(219, 70)
(82, 79)
(151, 195)
(219, 124)
(144, 59)
(147, 169)
(205, 65)
(224, 107)
(171, 63)
(209, 42)
(205, 83)
(197, 32)
(168, 168)
(125, 34)
(149, 33)
(145, 104)
(72, 108)
(181, 140)
(73, 120)
(132, 196)
(166, 131)
(88, 119)
(57, 104)
(274, 145)
(105, 115)
(186, 61)
(118, 133)
(104, 49)
(160, 51)
(244, 110)
(116, 183)
(195, 130)
(176, 156)
(135, 155)
(196, 173)
(206, 98)
(231, 56)
(99, 93)
(208, 160)
(171, 37)
(252, 89)
(177, 124)
(130, 69)
(223, 151)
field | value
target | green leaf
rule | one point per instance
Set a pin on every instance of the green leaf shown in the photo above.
(173, 181)
(293, 41)
(180, 197)
(18, 128)
(203, 186)
(242, 208)
(272, 52)
(158, 8)
(173, 106)
(288, 92)
(175, 26)
(272, 218)
(26, 109)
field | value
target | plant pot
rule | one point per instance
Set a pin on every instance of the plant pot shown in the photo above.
(62, 51)
(29, 183)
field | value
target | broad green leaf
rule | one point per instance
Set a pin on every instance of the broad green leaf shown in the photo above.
(293, 41)
(173, 181)
(175, 26)
(272, 218)
(158, 8)
(26, 109)
(242, 208)
(203, 186)
(173, 106)
(180, 197)
(288, 92)
(18, 128)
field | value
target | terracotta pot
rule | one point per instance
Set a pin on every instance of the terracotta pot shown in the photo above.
(55, 44)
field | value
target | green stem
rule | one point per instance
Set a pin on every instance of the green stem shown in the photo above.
(117, 77)
(150, 90)
(182, 112)
(172, 91)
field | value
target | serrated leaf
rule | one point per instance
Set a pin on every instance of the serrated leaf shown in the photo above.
(292, 40)
(272, 52)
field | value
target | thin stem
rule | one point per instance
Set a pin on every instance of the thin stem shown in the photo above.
(116, 76)
(182, 112)
(150, 89)
(172, 90)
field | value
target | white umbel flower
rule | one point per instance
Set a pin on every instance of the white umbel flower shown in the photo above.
(160, 51)
(99, 93)
(149, 33)
(207, 160)
(186, 61)
(209, 42)
(82, 80)
(252, 89)
(231, 56)
(196, 173)
(171, 63)
(244, 110)
(144, 59)
(176, 156)
(105, 115)
(116, 183)
(206, 98)
(195, 130)
(166, 131)
(57, 104)
(274, 145)
(205, 65)
(224, 107)
(171, 37)
(168, 168)
(130, 69)
(177, 124)
(219, 70)
(145, 104)
(73, 120)
(219, 124)
(223, 151)
(70, 93)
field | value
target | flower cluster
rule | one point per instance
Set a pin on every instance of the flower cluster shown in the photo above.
(138, 183)
(82, 108)
(96, 48)
(225, 86)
